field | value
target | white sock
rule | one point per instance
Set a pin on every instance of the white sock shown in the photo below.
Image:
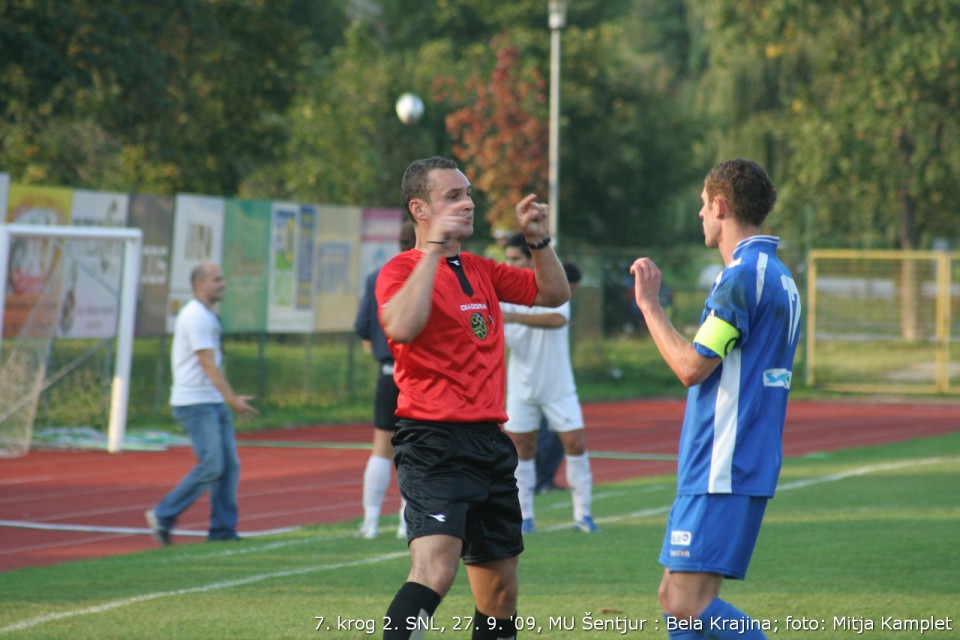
(581, 484)
(526, 483)
(376, 479)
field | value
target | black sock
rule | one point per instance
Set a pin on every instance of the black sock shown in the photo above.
(410, 612)
(487, 628)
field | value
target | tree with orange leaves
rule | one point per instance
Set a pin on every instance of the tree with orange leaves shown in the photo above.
(500, 134)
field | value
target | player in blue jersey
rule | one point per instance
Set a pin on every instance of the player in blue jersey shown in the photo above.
(738, 371)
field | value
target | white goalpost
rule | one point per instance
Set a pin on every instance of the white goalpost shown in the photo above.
(54, 276)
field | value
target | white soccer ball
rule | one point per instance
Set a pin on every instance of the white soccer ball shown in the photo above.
(409, 108)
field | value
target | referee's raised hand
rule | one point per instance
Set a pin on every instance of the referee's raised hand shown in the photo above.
(533, 218)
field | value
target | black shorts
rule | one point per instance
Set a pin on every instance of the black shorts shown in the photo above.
(458, 480)
(385, 401)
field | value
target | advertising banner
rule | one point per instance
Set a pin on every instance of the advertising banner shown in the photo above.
(337, 280)
(197, 238)
(246, 233)
(33, 282)
(379, 234)
(91, 286)
(305, 251)
(153, 215)
(287, 313)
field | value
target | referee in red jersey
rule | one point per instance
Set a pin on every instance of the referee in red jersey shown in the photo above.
(440, 310)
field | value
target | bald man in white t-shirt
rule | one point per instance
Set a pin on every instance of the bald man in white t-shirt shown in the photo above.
(202, 400)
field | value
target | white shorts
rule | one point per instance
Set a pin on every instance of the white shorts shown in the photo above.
(563, 414)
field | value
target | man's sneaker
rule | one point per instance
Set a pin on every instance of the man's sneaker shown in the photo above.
(586, 525)
(527, 526)
(161, 535)
(367, 531)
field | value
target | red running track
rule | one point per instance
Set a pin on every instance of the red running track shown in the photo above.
(285, 485)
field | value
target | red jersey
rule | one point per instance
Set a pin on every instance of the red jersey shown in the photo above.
(454, 370)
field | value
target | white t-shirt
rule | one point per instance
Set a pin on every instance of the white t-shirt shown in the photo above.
(539, 367)
(196, 328)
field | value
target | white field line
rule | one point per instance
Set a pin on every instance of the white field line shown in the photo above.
(23, 524)
(123, 602)
(787, 486)
(860, 471)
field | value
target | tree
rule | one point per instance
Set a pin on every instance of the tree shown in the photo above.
(862, 110)
(136, 95)
(871, 128)
(500, 134)
(627, 142)
(346, 145)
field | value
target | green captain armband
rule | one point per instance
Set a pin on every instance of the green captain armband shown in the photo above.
(717, 335)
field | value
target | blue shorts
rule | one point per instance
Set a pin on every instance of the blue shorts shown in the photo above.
(712, 533)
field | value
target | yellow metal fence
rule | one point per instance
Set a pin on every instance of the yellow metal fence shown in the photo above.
(883, 321)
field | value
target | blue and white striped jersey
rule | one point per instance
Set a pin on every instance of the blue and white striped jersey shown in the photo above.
(732, 438)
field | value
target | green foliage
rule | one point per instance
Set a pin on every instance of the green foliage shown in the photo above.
(500, 131)
(624, 146)
(183, 97)
(850, 106)
(894, 118)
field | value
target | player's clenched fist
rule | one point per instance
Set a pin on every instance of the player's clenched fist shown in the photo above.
(646, 282)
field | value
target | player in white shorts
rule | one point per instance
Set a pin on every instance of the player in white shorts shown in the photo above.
(540, 382)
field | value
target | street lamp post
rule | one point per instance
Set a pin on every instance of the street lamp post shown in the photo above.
(557, 21)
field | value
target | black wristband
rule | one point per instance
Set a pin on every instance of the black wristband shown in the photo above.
(540, 245)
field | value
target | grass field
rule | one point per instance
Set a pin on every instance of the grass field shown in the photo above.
(855, 539)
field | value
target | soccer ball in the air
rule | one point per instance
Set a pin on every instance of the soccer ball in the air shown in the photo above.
(409, 108)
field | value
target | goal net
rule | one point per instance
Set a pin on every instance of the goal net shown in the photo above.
(67, 313)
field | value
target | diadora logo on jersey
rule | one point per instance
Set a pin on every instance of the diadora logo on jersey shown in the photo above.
(474, 306)
(680, 538)
(777, 378)
(478, 324)
(439, 517)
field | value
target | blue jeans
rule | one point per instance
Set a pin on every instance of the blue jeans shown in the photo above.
(210, 427)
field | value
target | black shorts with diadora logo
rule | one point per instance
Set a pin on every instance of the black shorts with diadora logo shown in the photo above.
(458, 480)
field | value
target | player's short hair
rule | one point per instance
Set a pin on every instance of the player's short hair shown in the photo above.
(573, 272)
(745, 186)
(520, 242)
